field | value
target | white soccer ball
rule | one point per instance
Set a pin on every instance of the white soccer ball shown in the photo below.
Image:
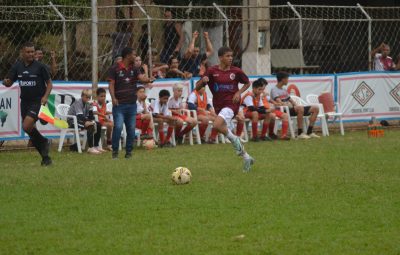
(149, 144)
(181, 175)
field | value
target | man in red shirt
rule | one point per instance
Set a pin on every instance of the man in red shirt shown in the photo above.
(223, 81)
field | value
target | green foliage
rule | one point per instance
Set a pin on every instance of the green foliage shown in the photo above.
(335, 195)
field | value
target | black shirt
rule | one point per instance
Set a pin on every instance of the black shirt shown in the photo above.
(32, 79)
(126, 79)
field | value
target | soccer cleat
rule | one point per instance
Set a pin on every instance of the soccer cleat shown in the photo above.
(93, 151)
(266, 138)
(303, 136)
(115, 155)
(248, 162)
(273, 137)
(313, 135)
(237, 144)
(46, 161)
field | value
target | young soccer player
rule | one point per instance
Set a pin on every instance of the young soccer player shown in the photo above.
(143, 117)
(199, 102)
(175, 106)
(162, 115)
(281, 97)
(223, 81)
(279, 114)
(256, 107)
(100, 109)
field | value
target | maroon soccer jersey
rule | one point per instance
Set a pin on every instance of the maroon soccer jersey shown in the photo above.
(223, 85)
(126, 79)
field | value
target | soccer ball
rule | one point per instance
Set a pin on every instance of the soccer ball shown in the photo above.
(181, 175)
(149, 144)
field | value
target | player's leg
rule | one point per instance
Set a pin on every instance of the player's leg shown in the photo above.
(160, 124)
(178, 129)
(29, 112)
(311, 111)
(203, 124)
(118, 118)
(146, 125)
(285, 124)
(267, 119)
(109, 125)
(221, 123)
(190, 124)
(130, 122)
(171, 126)
(254, 125)
(271, 126)
(300, 114)
(240, 123)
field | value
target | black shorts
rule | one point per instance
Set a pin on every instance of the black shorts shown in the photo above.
(306, 111)
(31, 109)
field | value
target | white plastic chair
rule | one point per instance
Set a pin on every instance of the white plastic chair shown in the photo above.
(321, 116)
(62, 110)
(278, 122)
(313, 99)
(196, 129)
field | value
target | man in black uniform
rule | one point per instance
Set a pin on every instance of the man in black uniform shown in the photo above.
(35, 83)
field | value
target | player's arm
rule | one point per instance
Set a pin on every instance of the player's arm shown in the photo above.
(111, 88)
(11, 77)
(144, 79)
(53, 66)
(209, 46)
(178, 28)
(236, 97)
(202, 82)
(377, 49)
(190, 48)
(49, 87)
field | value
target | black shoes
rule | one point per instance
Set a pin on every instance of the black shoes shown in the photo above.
(46, 161)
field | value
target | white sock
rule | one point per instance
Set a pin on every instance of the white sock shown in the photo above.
(230, 136)
(245, 155)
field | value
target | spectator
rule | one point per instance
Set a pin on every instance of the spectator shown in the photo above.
(143, 117)
(281, 97)
(121, 38)
(175, 105)
(162, 115)
(83, 110)
(144, 43)
(173, 70)
(144, 69)
(158, 69)
(123, 78)
(100, 109)
(53, 65)
(382, 60)
(199, 102)
(193, 60)
(173, 37)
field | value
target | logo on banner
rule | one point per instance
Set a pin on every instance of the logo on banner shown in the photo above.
(363, 93)
(395, 93)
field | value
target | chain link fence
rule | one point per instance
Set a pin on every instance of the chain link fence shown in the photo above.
(298, 38)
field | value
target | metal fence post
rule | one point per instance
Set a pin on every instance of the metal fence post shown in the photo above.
(95, 66)
(226, 23)
(148, 37)
(369, 35)
(300, 33)
(64, 40)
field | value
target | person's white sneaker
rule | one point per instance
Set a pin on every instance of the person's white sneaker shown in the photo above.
(303, 136)
(313, 135)
(100, 149)
(93, 151)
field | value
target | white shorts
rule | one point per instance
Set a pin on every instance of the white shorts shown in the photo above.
(227, 114)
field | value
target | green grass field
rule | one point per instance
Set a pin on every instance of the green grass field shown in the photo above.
(337, 195)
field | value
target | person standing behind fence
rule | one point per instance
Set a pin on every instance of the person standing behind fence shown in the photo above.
(173, 37)
(193, 59)
(36, 85)
(382, 60)
(121, 38)
(53, 65)
(123, 78)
